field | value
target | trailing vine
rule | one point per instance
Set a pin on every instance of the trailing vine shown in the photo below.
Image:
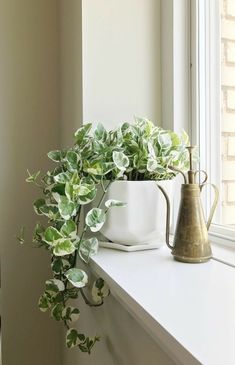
(139, 151)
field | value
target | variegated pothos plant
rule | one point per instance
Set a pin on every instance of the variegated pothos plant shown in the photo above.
(138, 151)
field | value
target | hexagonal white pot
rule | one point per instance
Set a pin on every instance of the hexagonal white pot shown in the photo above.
(143, 220)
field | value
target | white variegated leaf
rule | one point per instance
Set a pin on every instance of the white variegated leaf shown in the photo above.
(77, 277)
(100, 290)
(114, 203)
(52, 235)
(95, 219)
(63, 247)
(121, 160)
(71, 314)
(88, 248)
(53, 286)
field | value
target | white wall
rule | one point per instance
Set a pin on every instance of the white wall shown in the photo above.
(121, 60)
(29, 104)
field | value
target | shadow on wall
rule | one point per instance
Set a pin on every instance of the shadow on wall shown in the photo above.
(123, 340)
(29, 104)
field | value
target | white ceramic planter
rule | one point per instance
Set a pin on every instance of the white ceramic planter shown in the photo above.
(143, 220)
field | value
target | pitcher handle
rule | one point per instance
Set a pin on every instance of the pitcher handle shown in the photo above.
(167, 216)
(215, 202)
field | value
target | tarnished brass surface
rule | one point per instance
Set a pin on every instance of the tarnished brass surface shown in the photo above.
(191, 243)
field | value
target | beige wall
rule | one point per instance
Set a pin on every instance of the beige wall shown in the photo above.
(121, 60)
(28, 129)
(44, 96)
(70, 68)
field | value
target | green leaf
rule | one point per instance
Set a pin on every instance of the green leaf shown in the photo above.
(59, 189)
(44, 303)
(95, 219)
(71, 314)
(53, 286)
(50, 210)
(87, 345)
(48, 178)
(69, 190)
(69, 229)
(99, 168)
(95, 170)
(82, 132)
(185, 138)
(100, 290)
(55, 155)
(63, 247)
(175, 139)
(73, 292)
(114, 203)
(73, 191)
(73, 338)
(100, 132)
(21, 236)
(72, 158)
(62, 178)
(153, 150)
(152, 164)
(121, 160)
(56, 311)
(83, 190)
(160, 170)
(75, 179)
(51, 235)
(88, 248)
(32, 177)
(77, 277)
(164, 140)
(86, 199)
(59, 265)
(66, 208)
(38, 204)
(38, 232)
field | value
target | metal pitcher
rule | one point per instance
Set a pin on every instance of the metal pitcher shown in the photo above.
(191, 243)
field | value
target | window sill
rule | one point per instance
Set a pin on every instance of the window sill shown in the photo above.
(188, 309)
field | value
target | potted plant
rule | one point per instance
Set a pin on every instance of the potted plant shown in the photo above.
(136, 152)
(142, 154)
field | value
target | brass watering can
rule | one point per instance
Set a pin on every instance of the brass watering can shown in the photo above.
(191, 243)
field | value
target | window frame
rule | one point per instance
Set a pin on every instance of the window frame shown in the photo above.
(182, 61)
(175, 61)
(206, 102)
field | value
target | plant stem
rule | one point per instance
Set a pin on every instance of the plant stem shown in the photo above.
(102, 185)
(76, 252)
(104, 192)
(78, 218)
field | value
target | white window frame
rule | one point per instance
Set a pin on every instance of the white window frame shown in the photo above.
(206, 101)
(185, 104)
(176, 83)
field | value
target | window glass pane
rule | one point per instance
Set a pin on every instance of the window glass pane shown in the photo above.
(215, 106)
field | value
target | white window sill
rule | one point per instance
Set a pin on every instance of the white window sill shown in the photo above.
(189, 309)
